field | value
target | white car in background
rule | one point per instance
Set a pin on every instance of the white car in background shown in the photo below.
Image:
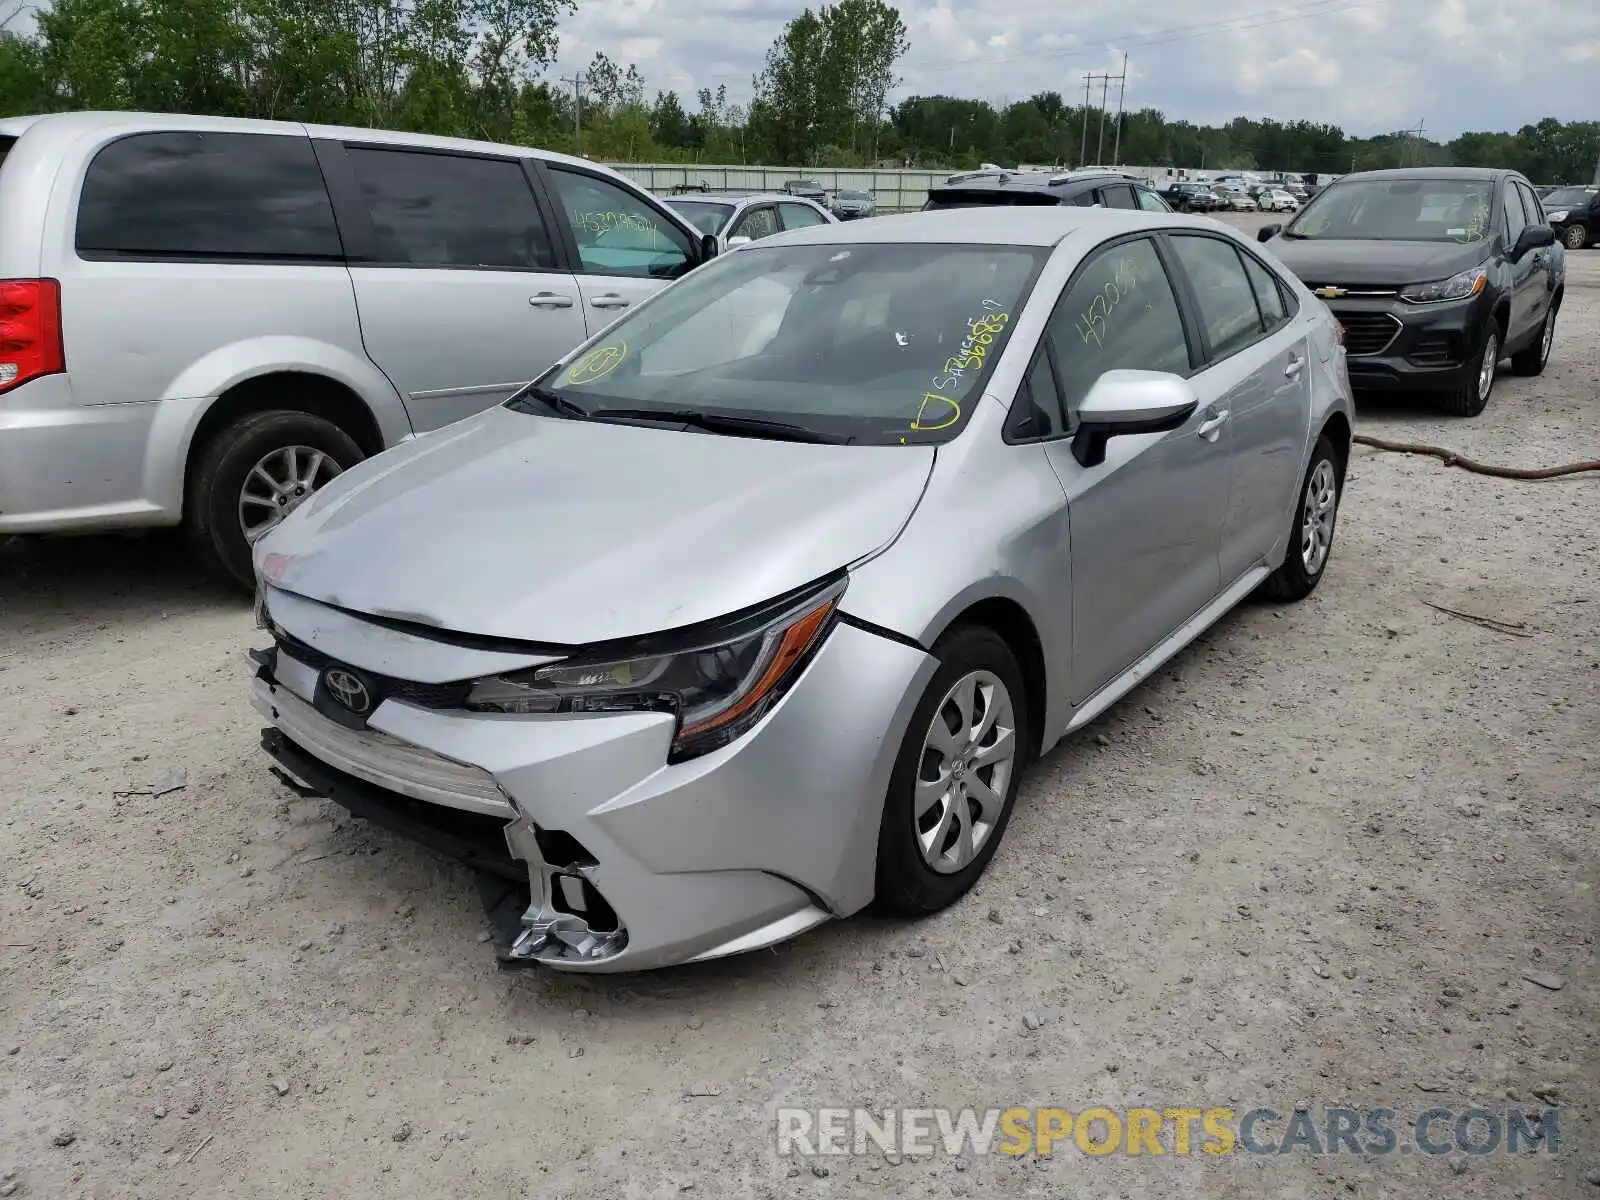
(1277, 200)
(737, 218)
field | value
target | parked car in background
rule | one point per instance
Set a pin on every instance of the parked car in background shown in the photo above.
(1574, 213)
(1107, 189)
(735, 218)
(783, 609)
(1190, 197)
(853, 205)
(209, 318)
(1237, 200)
(1277, 200)
(808, 189)
(1436, 274)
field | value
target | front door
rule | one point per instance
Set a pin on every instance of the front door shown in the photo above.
(456, 286)
(1145, 523)
(627, 249)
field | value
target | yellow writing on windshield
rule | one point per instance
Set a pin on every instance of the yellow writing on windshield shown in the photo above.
(947, 416)
(598, 363)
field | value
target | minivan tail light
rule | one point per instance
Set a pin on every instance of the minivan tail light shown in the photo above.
(30, 331)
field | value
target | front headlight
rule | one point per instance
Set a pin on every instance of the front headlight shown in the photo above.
(1559, 215)
(1458, 287)
(719, 682)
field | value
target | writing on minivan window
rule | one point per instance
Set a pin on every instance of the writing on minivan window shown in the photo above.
(605, 222)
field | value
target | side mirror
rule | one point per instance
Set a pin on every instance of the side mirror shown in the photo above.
(1267, 232)
(1123, 402)
(708, 246)
(1532, 238)
(739, 239)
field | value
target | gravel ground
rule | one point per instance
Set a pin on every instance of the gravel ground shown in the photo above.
(1311, 862)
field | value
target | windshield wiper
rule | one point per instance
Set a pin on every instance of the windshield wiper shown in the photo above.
(779, 431)
(551, 400)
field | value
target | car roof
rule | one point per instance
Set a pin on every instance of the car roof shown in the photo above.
(1484, 174)
(1006, 225)
(1060, 183)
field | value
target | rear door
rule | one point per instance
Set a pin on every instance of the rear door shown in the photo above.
(800, 216)
(624, 247)
(1257, 363)
(456, 282)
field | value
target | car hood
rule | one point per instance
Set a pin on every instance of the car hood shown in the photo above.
(1374, 264)
(511, 525)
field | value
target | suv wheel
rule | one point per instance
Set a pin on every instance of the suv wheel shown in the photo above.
(250, 476)
(1472, 393)
(955, 782)
(1575, 237)
(1532, 360)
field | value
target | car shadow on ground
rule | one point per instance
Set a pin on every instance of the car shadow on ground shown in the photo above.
(62, 584)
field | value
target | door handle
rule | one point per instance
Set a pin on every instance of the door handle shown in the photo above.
(1293, 367)
(1211, 427)
(609, 300)
(549, 300)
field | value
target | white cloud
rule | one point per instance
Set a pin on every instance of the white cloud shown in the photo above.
(1369, 65)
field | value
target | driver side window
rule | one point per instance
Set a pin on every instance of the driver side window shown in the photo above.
(617, 232)
(756, 224)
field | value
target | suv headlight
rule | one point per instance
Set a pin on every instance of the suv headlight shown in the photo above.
(717, 682)
(1458, 287)
(1559, 215)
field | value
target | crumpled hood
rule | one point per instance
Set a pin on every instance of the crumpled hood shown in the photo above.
(569, 532)
(1374, 264)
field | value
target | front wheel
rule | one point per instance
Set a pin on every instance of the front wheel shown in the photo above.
(1471, 395)
(1532, 360)
(1575, 237)
(250, 476)
(1311, 529)
(955, 781)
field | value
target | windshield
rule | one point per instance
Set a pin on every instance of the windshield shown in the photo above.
(702, 214)
(884, 343)
(1563, 197)
(854, 196)
(1398, 210)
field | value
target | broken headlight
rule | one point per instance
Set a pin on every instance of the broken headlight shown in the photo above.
(717, 682)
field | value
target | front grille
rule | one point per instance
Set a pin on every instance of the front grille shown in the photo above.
(423, 695)
(1356, 290)
(1367, 333)
(1436, 350)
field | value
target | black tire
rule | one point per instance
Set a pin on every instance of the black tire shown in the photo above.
(1531, 361)
(1469, 398)
(211, 509)
(907, 885)
(1293, 580)
(1575, 236)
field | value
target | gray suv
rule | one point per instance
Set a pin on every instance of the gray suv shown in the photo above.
(206, 319)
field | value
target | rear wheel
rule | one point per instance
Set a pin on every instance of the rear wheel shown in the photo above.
(250, 476)
(1576, 237)
(1472, 392)
(955, 780)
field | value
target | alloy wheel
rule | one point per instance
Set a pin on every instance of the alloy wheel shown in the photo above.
(280, 483)
(1549, 336)
(1316, 525)
(968, 756)
(1487, 367)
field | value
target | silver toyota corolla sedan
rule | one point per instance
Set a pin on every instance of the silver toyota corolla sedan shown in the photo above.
(753, 608)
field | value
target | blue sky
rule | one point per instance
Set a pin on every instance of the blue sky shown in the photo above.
(1368, 65)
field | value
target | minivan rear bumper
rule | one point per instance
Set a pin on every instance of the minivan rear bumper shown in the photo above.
(66, 466)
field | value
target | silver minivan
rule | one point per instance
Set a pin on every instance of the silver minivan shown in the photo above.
(203, 319)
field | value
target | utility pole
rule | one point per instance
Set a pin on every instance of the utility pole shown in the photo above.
(1122, 83)
(1100, 146)
(576, 80)
(1083, 143)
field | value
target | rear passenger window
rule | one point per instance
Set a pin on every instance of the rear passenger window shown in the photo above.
(1119, 196)
(1119, 313)
(1222, 290)
(1269, 295)
(207, 195)
(448, 210)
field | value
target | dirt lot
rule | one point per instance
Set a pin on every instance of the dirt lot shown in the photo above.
(1311, 862)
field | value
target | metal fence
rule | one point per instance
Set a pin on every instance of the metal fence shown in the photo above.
(894, 190)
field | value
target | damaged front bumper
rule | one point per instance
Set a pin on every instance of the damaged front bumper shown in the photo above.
(628, 862)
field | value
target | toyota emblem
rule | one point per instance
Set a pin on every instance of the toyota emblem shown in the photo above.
(349, 689)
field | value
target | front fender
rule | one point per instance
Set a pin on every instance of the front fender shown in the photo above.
(197, 387)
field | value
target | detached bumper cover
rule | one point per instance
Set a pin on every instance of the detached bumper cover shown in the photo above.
(633, 863)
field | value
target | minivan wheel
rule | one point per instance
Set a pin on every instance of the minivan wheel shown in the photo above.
(251, 475)
(955, 781)
(1531, 361)
(1310, 529)
(1472, 392)
(1575, 237)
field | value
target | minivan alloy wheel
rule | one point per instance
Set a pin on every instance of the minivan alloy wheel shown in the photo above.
(968, 756)
(1316, 527)
(280, 483)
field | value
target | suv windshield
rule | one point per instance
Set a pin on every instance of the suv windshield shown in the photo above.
(853, 196)
(1398, 210)
(704, 215)
(1569, 196)
(866, 342)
